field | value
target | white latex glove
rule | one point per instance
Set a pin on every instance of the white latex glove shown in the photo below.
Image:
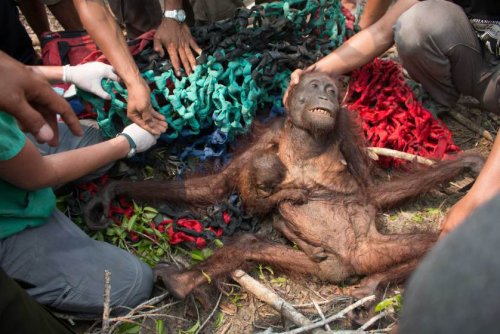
(88, 77)
(142, 138)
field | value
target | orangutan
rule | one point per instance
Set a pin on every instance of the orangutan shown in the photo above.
(312, 172)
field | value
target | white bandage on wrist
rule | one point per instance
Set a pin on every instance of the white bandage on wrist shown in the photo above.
(65, 73)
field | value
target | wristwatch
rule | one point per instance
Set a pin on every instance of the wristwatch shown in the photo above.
(177, 14)
(133, 147)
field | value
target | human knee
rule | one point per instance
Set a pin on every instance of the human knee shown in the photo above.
(133, 286)
(428, 21)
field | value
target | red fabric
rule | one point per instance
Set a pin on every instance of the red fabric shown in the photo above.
(66, 47)
(391, 115)
(135, 47)
(79, 48)
(192, 224)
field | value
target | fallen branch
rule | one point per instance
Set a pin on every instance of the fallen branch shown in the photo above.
(107, 301)
(470, 125)
(269, 297)
(149, 313)
(336, 299)
(387, 152)
(374, 319)
(318, 309)
(332, 318)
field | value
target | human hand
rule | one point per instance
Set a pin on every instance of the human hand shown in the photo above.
(143, 139)
(294, 81)
(177, 40)
(31, 100)
(140, 111)
(88, 77)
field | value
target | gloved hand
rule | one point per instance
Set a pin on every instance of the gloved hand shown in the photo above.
(88, 77)
(142, 139)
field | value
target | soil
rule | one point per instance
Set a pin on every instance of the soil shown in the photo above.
(240, 312)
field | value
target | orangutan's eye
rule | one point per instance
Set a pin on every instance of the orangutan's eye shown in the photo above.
(314, 85)
(332, 91)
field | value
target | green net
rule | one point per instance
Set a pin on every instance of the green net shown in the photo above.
(245, 67)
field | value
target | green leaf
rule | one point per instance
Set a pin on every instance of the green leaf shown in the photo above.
(128, 329)
(219, 320)
(137, 208)
(150, 209)
(269, 269)
(279, 280)
(191, 330)
(197, 255)
(388, 303)
(206, 252)
(218, 243)
(131, 222)
(160, 328)
(148, 216)
(207, 276)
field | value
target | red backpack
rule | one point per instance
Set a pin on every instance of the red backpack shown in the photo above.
(77, 47)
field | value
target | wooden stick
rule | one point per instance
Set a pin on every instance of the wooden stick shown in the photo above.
(107, 301)
(318, 309)
(147, 304)
(470, 125)
(269, 297)
(372, 320)
(331, 318)
(400, 155)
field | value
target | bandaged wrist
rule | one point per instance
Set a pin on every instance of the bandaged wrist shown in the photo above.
(131, 142)
(65, 73)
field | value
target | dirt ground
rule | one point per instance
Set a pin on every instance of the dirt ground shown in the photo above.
(240, 312)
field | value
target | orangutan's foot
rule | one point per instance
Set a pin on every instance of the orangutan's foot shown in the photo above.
(178, 283)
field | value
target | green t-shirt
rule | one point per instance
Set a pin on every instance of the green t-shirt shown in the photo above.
(19, 209)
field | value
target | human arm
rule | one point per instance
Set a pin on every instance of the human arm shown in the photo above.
(86, 76)
(101, 25)
(359, 49)
(366, 44)
(176, 38)
(31, 100)
(36, 16)
(486, 186)
(373, 11)
(30, 171)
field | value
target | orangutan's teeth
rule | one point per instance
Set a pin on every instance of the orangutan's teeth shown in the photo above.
(321, 111)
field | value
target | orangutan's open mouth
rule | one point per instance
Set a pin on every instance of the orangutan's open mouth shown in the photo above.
(321, 112)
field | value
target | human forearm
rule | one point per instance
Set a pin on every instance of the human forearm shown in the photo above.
(29, 170)
(100, 24)
(51, 73)
(71, 165)
(172, 4)
(365, 45)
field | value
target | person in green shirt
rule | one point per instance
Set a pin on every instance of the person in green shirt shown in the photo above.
(39, 246)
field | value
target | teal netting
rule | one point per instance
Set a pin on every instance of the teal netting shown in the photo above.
(245, 67)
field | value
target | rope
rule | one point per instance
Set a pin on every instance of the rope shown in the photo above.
(246, 64)
(391, 115)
